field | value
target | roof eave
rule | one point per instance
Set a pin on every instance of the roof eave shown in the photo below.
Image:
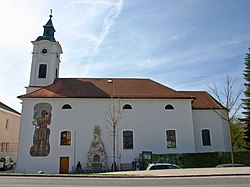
(114, 97)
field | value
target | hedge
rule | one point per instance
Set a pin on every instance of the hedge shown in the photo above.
(198, 160)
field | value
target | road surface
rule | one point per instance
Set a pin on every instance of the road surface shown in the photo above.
(20, 181)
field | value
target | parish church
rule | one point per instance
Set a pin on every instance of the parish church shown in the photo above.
(94, 122)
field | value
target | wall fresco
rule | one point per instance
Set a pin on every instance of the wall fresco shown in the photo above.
(41, 121)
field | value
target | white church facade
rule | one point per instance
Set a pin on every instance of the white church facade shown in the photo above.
(64, 120)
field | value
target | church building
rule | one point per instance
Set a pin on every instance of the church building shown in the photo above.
(67, 121)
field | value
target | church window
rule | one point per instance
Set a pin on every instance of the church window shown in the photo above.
(65, 138)
(127, 106)
(66, 106)
(169, 107)
(206, 141)
(128, 140)
(42, 71)
(171, 138)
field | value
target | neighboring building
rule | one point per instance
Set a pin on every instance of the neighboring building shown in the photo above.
(9, 131)
(63, 119)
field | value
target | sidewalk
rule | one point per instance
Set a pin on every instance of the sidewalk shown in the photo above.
(195, 172)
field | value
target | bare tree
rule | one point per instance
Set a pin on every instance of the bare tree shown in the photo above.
(111, 118)
(229, 97)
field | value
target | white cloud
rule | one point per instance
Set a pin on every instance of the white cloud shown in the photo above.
(96, 21)
(108, 21)
(88, 35)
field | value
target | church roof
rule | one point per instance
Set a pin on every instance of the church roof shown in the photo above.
(5, 107)
(124, 88)
(106, 88)
(203, 100)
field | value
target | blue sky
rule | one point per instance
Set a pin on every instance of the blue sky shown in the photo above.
(184, 44)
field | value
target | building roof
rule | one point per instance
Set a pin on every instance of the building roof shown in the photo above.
(203, 100)
(106, 88)
(124, 88)
(5, 107)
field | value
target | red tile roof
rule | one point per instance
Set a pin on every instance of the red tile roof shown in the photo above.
(203, 100)
(106, 88)
(5, 107)
(121, 88)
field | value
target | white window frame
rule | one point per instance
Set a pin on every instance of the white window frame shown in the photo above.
(166, 140)
(210, 134)
(172, 109)
(133, 140)
(71, 138)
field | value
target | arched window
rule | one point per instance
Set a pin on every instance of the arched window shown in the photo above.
(128, 140)
(65, 138)
(169, 107)
(42, 71)
(206, 141)
(66, 106)
(171, 138)
(127, 106)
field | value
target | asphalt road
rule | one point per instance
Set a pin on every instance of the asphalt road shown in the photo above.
(232, 181)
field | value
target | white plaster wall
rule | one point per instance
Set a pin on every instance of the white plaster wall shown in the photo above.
(81, 119)
(148, 120)
(219, 131)
(52, 59)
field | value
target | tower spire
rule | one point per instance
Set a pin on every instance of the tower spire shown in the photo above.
(49, 30)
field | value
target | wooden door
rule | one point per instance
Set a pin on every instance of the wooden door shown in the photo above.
(64, 165)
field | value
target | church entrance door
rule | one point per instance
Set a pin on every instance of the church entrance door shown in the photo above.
(64, 165)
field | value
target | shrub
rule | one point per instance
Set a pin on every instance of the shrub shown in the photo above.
(198, 160)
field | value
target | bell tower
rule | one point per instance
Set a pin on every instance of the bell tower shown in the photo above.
(45, 59)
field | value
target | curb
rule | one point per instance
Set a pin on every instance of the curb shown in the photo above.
(118, 175)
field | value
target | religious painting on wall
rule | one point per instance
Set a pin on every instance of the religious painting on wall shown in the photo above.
(41, 121)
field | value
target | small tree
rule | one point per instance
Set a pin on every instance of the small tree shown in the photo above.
(229, 97)
(238, 135)
(111, 118)
(246, 100)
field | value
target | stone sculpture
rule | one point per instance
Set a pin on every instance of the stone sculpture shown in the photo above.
(97, 157)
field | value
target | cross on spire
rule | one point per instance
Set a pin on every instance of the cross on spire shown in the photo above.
(50, 13)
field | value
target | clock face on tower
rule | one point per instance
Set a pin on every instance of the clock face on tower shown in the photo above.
(44, 51)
